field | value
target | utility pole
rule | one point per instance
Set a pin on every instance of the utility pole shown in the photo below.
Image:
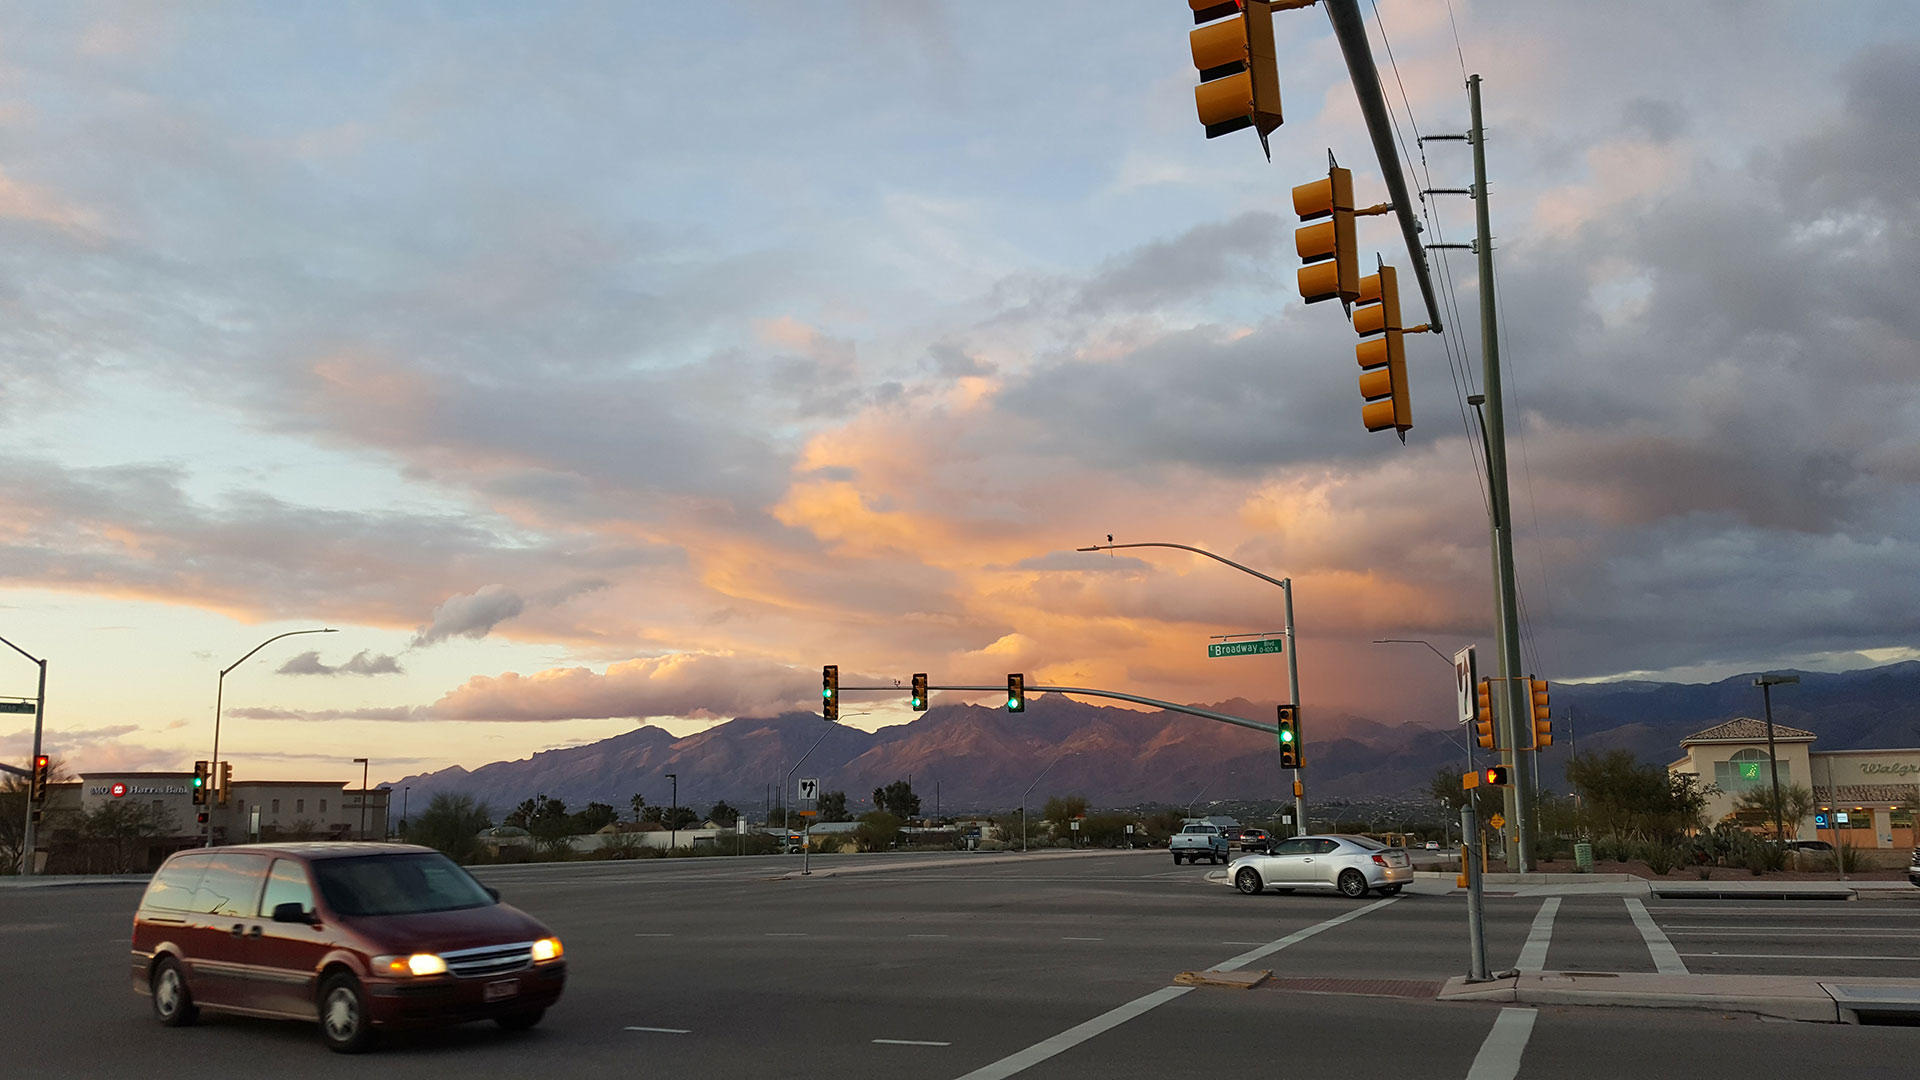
(28, 840)
(1514, 700)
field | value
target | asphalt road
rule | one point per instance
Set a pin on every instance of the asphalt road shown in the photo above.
(1042, 968)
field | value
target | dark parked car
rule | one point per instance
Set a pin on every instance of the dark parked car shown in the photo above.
(1913, 868)
(1255, 840)
(358, 937)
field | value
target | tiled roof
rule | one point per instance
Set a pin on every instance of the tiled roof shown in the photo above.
(1747, 729)
(1856, 794)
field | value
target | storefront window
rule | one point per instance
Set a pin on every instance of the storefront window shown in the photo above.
(1747, 769)
(1901, 817)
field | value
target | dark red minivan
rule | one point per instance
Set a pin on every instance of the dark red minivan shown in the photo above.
(360, 937)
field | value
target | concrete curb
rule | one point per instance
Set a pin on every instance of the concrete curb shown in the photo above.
(1232, 980)
(1787, 997)
(931, 864)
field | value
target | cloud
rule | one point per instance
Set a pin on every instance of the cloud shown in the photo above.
(362, 663)
(473, 615)
(714, 687)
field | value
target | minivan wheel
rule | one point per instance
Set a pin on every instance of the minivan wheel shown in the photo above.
(343, 1015)
(519, 1021)
(1353, 884)
(172, 1003)
(1247, 881)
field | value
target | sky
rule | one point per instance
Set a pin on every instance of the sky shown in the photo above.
(591, 365)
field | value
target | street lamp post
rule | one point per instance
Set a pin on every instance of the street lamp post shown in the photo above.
(362, 762)
(1293, 656)
(405, 791)
(673, 813)
(1766, 683)
(1029, 791)
(1467, 744)
(220, 691)
(27, 839)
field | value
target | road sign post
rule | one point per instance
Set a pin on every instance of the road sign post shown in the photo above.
(1476, 915)
(809, 805)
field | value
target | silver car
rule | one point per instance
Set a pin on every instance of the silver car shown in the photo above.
(1355, 865)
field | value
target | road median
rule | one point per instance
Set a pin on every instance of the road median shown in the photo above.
(1786, 997)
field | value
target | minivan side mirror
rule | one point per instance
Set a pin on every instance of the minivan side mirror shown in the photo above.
(292, 911)
(493, 892)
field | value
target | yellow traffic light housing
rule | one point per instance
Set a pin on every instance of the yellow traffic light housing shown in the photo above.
(1327, 248)
(1483, 715)
(42, 775)
(1016, 693)
(1288, 736)
(1383, 359)
(919, 700)
(1239, 71)
(199, 783)
(1542, 719)
(225, 790)
(830, 693)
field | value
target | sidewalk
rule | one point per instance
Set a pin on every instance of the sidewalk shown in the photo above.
(1789, 997)
(977, 859)
(45, 881)
(1531, 885)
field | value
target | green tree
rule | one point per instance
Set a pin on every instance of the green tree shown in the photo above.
(877, 831)
(1796, 805)
(596, 816)
(1447, 788)
(521, 816)
(639, 804)
(897, 799)
(1626, 797)
(451, 824)
(833, 806)
(723, 815)
(1062, 809)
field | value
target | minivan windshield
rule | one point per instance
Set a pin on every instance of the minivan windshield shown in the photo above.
(405, 884)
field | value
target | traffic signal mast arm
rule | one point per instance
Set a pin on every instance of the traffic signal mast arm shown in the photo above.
(1081, 691)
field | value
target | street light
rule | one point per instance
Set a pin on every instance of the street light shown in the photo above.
(405, 790)
(220, 691)
(362, 762)
(1029, 791)
(1293, 659)
(673, 814)
(39, 715)
(1766, 683)
(1465, 743)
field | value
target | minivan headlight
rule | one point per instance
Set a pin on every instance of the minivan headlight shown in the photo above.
(423, 963)
(547, 948)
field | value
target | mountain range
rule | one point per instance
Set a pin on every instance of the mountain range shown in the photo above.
(970, 757)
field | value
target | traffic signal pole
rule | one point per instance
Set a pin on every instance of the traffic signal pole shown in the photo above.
(1516, 701)
(27, 838)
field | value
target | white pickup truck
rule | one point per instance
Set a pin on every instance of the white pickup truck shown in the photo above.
(1197, 840)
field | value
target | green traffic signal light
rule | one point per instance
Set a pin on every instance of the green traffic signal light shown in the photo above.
(199, 781)
(1286, 736)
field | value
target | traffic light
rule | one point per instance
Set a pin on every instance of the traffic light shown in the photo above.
(1494, 776)
(226, 782)
(42, 768)
(920, 692)
(1542, 724)
(1239, 72)
(200, 818)
(200, 785)
(830, 693)
(1483, 715)
(1327, 248)
(1289, 736)
(1016, 693)
(1383, 359)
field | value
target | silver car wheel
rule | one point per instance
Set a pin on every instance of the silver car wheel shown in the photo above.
(1353, 884)
(1247, 881)
(167, 992)
(342, 1014)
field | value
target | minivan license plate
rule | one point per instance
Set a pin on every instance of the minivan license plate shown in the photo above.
(501, 989)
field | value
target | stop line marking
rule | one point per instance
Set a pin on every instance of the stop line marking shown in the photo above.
(663, 1031)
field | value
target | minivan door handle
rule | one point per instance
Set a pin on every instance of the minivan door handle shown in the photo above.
(238, 930)
(255, 932)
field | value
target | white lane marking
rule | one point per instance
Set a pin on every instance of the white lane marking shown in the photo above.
(1781, 931)
(1272, 947)
(1499, 1056)
(1792, 956)
(1665, 960)
(1533, 955)
(1112, 1018)
(663, 1031)
(1074, 1036)
(1082, 939)
(910, 1042)
(1839, 909)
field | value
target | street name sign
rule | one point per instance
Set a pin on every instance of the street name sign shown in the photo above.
(16, 706)
(1244, 648)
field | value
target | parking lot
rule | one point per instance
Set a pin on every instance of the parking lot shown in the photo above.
(1056, 967)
